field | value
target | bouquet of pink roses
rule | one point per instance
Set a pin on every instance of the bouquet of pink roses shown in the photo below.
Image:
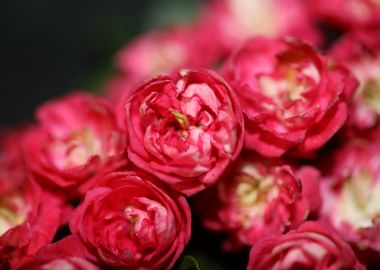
(250, 124)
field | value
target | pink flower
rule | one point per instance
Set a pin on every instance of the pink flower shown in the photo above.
(130, 222)
(293, 98)
(164, 51)
(75, 141)
(184, 129)
(29, 216)
(347, 13)
(70, 263)
(310, 180)
(257, 198)
(12, 170)
(68, 253)
(308, 247)
(350, 194)
(234, 21)
(360, 50)
(29, 219)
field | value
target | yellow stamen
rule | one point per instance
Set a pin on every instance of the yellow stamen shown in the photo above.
(181, 118)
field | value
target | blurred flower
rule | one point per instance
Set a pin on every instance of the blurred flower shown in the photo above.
(161, 52)
(350, 194)
(76, 140)
(234, 21)
(360, 50)
(308, 247)
(29, 219)
(347, 13)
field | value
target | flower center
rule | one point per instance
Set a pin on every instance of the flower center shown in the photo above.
(182, 119)
(360, 203)
(287, 85)
(76, 149)
(131, 214)
(254, 16)
(284, 90)
(183, 124)
(149, 222)
(253, 192)
(13, 211)
(370, 93)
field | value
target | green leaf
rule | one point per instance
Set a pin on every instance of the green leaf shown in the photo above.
(189, 263)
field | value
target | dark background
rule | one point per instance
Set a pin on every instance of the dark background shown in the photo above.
(49, 47)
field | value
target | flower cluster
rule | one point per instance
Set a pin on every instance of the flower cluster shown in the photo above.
(268, 125)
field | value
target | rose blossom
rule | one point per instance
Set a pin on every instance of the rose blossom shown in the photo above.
(76, 140)
(234, 21)
(308, 247)
(293, 98)
(350, 194)
(255, 199)
(185, 129)
(360, 50)
(29, 217)
(131, 222)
